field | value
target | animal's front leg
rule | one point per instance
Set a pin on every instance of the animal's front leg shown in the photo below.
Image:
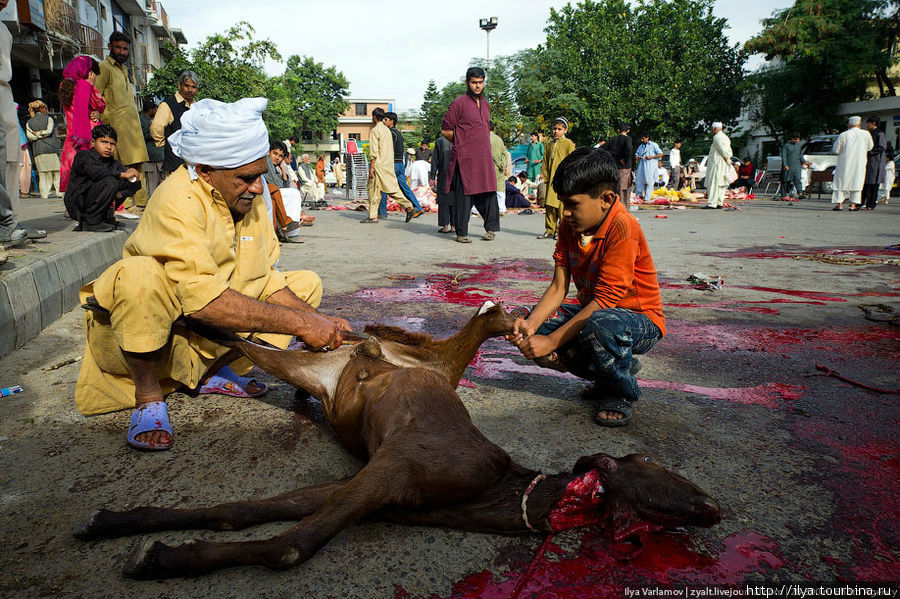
(293, 505)
(364, 494)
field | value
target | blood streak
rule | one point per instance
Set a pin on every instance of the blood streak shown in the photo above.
(596, 570)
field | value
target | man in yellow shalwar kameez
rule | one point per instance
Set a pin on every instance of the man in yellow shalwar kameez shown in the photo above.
(382, 177)
(121, 111)
(205, 248)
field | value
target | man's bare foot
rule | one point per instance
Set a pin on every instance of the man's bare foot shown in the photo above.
(161, 438)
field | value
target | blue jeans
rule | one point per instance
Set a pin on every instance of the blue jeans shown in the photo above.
(603, 349)
(404, 187)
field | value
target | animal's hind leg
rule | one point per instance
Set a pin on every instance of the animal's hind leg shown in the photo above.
(293, 505)
(365, 493)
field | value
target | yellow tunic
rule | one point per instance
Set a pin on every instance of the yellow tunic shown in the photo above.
(557, 149)
(381, 150)
(121, 112)
(185, 252)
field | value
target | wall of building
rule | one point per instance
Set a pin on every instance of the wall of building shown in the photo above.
(72, 27)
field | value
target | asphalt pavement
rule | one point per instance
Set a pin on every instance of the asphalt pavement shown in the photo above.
(804, 465)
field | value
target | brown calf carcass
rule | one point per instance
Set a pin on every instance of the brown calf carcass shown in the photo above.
(392, 399)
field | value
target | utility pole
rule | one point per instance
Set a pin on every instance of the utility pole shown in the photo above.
(488, 24)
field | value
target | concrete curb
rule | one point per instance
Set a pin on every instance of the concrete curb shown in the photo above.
(34, 296)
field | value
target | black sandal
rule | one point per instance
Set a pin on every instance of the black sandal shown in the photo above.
(615, 404)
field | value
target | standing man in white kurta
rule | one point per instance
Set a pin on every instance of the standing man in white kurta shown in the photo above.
(717, 164)
(852, 147)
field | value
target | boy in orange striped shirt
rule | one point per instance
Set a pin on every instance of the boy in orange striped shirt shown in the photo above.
(602, 249)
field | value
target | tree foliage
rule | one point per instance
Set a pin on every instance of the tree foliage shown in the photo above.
(664, 66)
(847, 42)
(434, 106)
(308, 96)
(823, 53)
(230, 66)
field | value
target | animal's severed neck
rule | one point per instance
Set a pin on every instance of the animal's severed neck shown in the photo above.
(557, 502)
(580, 503)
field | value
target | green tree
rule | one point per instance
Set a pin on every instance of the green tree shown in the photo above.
(431, 112)
(823, 53)
(848, 43)
(498, 91)
(308, 97)
(663, 65)
(230, 66)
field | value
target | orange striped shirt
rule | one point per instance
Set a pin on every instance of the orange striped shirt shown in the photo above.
(615, 268)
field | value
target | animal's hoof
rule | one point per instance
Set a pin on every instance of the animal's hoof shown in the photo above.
(92, 528)
(143, 563)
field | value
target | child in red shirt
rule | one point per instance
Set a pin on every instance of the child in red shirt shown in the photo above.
(602, 249)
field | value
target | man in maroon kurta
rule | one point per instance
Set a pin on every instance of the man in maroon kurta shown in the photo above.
(473, 181)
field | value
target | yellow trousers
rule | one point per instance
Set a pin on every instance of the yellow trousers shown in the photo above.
(143, 308)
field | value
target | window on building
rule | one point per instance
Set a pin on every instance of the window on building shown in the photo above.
(306, 136)
(356, 136)
(102, 12)
(362, 109)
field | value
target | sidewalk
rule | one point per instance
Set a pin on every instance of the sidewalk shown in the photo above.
(41, 280)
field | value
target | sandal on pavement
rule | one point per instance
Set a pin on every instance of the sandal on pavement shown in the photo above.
(369, 220)
(837, 208)
(545, 236)
(149, 417)
(228, 382)
(35, 233)
(447, 231)
(463, 240)
(614, 404)
(488, 236)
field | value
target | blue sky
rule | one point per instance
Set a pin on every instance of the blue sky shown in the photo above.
(391, 50)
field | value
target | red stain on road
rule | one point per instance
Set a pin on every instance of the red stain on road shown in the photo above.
(769, 395)
(866, 489)
(598, 570)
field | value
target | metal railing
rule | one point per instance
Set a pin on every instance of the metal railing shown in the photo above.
(62, 20)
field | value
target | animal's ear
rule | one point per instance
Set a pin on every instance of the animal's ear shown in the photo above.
(487, 305)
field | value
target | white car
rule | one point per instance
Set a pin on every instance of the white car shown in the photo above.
(701, 162)
(818, 151)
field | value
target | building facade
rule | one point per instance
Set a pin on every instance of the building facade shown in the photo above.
(356, 122)
(47, 34)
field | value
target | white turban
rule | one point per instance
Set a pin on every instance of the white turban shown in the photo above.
(715, 125)
(221, 135)
(854, 121)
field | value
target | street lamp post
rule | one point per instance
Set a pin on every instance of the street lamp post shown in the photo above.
(488, 24)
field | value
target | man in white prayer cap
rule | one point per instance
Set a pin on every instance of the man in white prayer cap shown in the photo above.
(852, 148)
(205, 248)
(717, 164)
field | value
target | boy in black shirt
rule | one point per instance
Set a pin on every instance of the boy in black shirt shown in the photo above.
(98, 183)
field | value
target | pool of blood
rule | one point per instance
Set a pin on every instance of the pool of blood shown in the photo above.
(597, 570)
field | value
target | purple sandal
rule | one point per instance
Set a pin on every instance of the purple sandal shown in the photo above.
(149, 417)
(228, 382)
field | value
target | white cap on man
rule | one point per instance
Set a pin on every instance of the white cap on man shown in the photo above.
(717, 125)
(221, 135)
(854, 121)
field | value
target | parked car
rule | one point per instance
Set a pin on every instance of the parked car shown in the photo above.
(818, 150)
(701, 162)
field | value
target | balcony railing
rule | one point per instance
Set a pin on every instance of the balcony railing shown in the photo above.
(90, 41)
(62, 20)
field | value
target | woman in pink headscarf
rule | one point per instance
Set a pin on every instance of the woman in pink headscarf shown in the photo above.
(82, 104)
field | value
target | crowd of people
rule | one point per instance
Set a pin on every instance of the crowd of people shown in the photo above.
(207, 246)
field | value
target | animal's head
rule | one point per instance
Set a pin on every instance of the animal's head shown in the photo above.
(493, 319)
(642, 496)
